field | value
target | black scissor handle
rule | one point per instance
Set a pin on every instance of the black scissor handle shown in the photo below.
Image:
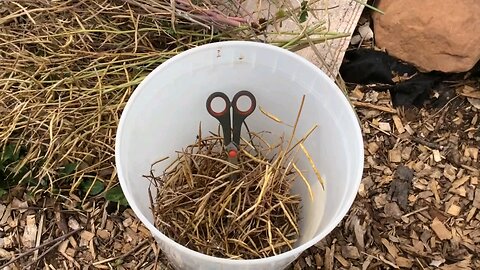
(223, 116)
(239, 115)
(253, 103)
(225, 99)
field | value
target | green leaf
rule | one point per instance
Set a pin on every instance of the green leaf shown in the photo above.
(303, 12)
(115, 194)
(9, 153)
(96, 187)
(280, 14)
(69, 168)
(2, 192)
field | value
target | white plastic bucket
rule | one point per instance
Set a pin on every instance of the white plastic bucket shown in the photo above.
(163, 115)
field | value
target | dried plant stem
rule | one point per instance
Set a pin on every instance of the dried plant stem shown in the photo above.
(198, 205)
(208, 212)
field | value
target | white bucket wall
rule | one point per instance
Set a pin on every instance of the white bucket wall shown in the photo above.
(164, 113)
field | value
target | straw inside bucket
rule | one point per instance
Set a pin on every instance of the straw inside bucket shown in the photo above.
(195, 202)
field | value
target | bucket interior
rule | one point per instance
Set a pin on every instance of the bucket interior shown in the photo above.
(164, 117)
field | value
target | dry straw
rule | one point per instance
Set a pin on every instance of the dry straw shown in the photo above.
(255, 215)
(67, 69)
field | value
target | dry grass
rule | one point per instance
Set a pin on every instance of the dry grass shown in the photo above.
(68, 67)
(239, 211)
(199, 206)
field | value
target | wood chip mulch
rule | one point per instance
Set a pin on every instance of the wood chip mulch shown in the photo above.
(69, 235)
(417, 207)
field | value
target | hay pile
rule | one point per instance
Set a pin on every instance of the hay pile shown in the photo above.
(243, 210)
(199, 206)
(68, 67)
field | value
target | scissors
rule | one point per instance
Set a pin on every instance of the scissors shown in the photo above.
(231, 145)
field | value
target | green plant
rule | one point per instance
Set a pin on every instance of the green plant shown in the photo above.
(12, 170)
(115, 194)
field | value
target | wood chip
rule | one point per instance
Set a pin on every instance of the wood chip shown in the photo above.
(409, 130)
(419, 246)
(404, 262)
(127, 222)
(388, 262)
(372, 147)
(7, 242)
(395, 155)
(434, 188)
(474, 181)
(461, 265)
(350, 252)
(367, 262)
(87, 235)
(436, 155)
(20, 205)
(144, 231)
(406, 152)
(71, 252)
(390, 247)
(308, 261)
(471, 152)
(392, 210)
(104, 234)
(329, 258)
(342, 260)
(473, 95)
(63, 246)
(73, 224)
(109, 225)
(6, 214)
(471, 213)
(459, 191)
(384, 126)
(440, 230)
(6, 254)
(318, 259)
(460, 181)
(476, 200)
(398, 124)
(437, 262)
(454, 210)
(450, 172)
(73, 242)
(357, 93)
(30, 232)
(91, 248)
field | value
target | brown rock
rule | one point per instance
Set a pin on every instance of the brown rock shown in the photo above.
(430, 34)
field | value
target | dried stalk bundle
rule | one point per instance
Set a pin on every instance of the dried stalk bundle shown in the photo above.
(253, 215)
(199, 206)
(68, 67)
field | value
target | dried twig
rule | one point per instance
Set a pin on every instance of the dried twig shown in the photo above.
(373, 106)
